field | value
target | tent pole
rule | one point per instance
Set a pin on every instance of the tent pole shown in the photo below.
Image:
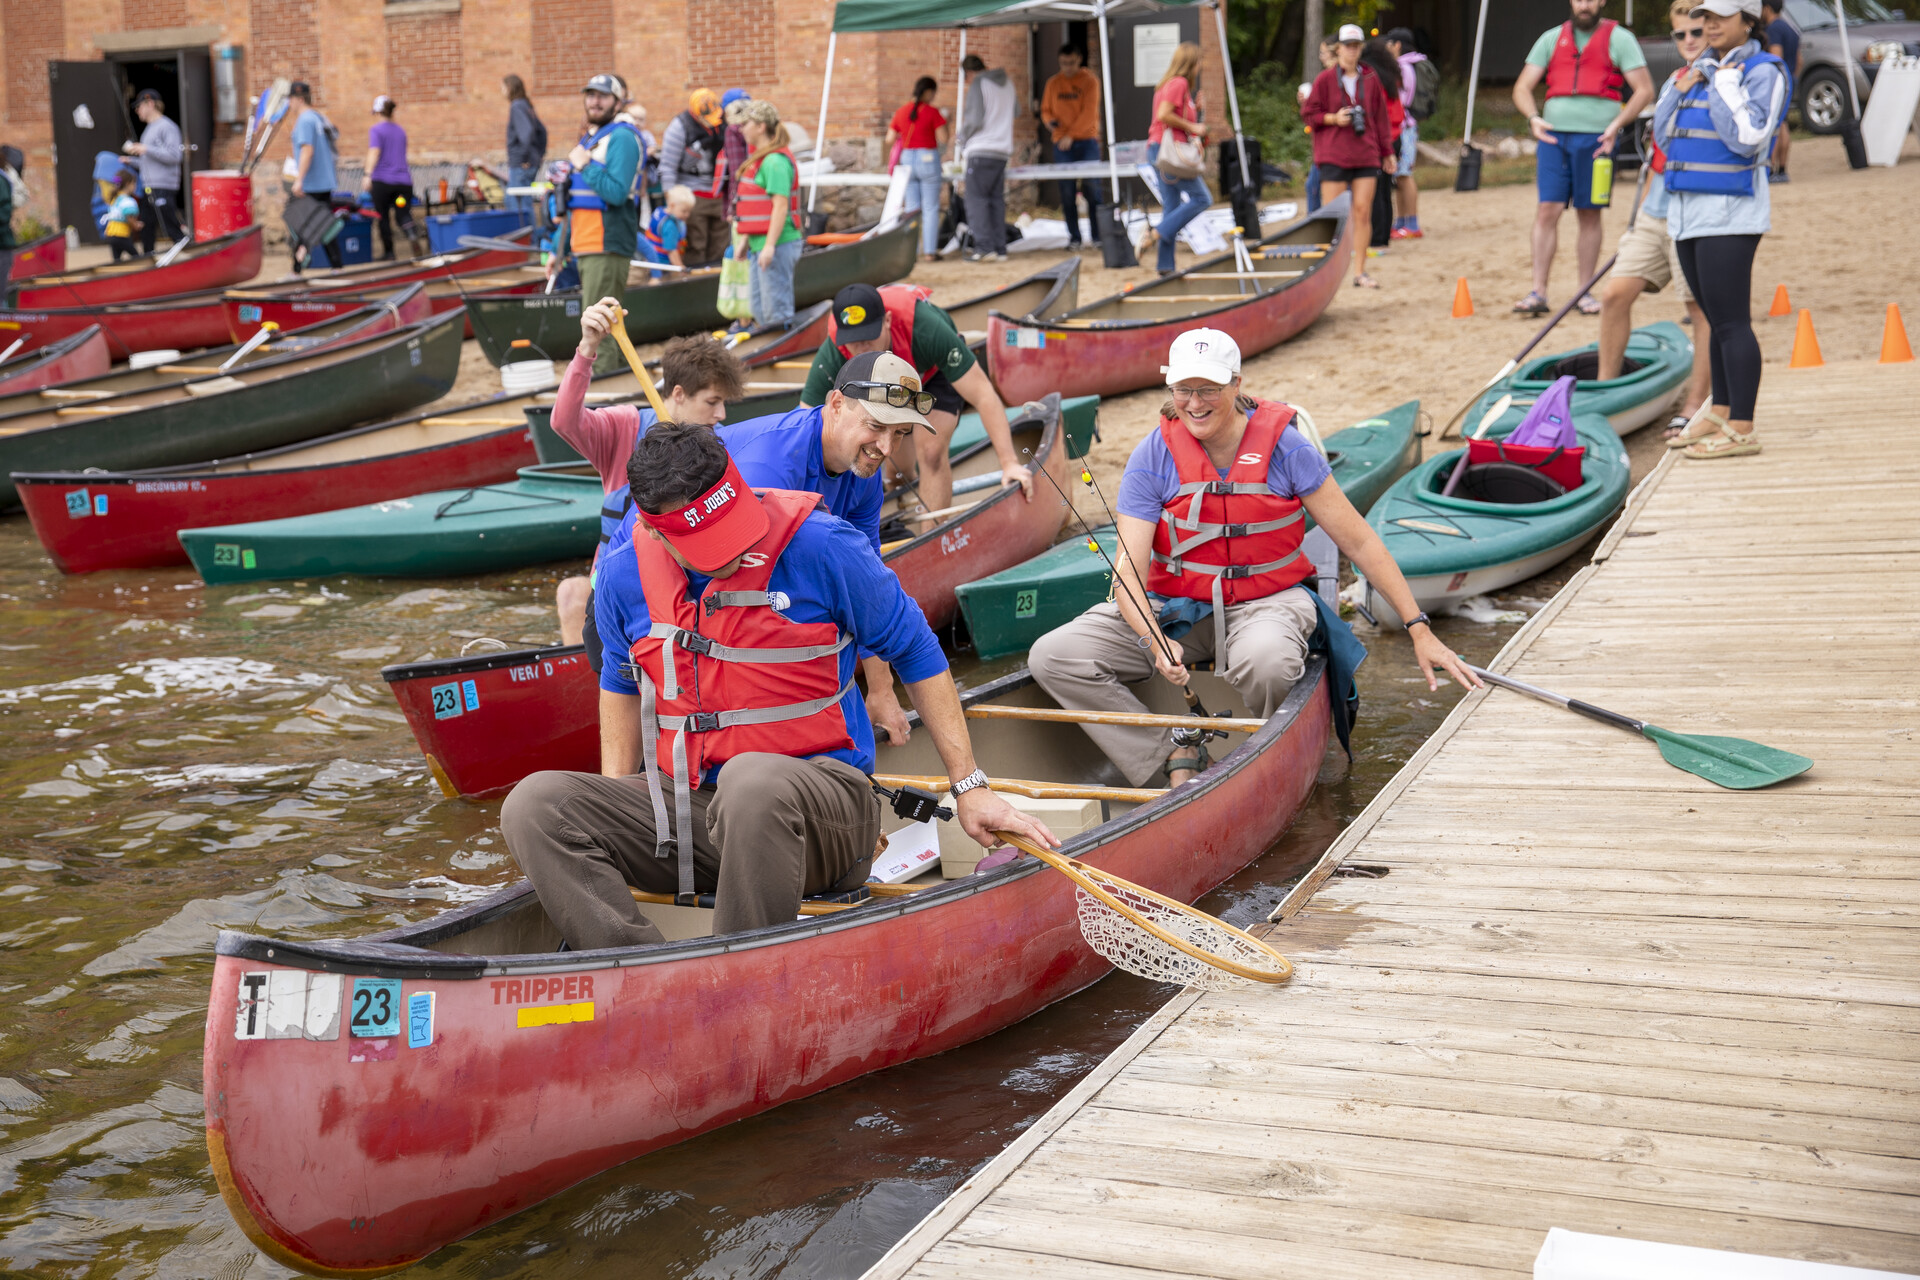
(820, 134)
(1106, 93)
(1233, 98)
(1473, 76)
(1846, 56)
(960, 97)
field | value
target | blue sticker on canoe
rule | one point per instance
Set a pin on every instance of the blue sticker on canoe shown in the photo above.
(420, 1020)
(446, 701)
(99, 504)
(79, 503)
(249, 313)
(375, 1008)
(472, 692)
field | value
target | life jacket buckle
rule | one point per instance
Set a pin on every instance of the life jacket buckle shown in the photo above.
(1233, 531)
(1237, 571)
(632, 671)
(703, 722)
(711, 604)
(694, 642)
(1220, 486)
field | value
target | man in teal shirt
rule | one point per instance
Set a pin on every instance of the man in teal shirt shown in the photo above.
(602, 230)
(1586, 63)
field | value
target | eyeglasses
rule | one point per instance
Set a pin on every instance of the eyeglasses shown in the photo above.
(1205, 395)
(1689, 33)
(890, 393)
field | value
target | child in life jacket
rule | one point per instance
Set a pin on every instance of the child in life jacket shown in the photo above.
(122, 221)
(666, 231)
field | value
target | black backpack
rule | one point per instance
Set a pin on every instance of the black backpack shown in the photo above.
(1426, 89)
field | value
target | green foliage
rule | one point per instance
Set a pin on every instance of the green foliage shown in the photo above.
(28, 228)
(1270, 111)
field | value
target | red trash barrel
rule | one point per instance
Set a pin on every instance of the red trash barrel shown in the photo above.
(222, 202)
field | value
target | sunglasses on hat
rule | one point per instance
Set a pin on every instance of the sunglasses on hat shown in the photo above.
(891, 394)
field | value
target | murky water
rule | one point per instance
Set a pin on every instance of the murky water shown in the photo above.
(175, 760)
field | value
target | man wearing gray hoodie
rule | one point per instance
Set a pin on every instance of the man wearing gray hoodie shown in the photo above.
(986, 143)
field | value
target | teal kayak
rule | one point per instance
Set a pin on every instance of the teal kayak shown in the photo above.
(1007, 612)
(549, 512)
(1659, 358)
(1451, 548)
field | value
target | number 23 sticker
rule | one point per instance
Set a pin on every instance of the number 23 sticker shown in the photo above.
(376, 1008)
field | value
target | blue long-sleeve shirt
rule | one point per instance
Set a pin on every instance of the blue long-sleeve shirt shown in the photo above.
(1746, 105)
(784, 452)
(829, 573)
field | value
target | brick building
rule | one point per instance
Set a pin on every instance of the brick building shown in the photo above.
(442, 61)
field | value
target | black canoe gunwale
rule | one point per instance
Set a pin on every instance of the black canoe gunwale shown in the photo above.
(194, 252)
(46, 355)
(394, 953)
(1335, 211)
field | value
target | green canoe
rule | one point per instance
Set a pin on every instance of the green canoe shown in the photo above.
(1659, 358)
(551, 512)
(685, 304)
(1007, 612)
(1451, 548)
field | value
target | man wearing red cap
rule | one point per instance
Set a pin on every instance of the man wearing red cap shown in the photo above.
(735, 750)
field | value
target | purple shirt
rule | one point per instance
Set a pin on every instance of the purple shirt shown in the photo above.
(392, 141)
(1152, 480)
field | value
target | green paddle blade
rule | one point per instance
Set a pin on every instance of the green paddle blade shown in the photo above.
(1734, 763)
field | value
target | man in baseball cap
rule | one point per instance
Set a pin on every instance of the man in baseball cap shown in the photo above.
(602, 229)
(734, 736)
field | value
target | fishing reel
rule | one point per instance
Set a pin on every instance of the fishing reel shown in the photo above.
(915, 804)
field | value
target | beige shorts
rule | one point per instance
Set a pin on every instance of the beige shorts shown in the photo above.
(1647, 251)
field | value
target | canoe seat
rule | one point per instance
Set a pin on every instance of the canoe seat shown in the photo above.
(1509, 484)
(1584, 366)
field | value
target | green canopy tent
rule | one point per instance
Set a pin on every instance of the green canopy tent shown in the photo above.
(903, 15)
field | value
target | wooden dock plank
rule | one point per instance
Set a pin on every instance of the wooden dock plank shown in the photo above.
(1581, 988)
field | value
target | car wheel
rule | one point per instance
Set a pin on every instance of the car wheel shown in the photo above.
(1823, 102)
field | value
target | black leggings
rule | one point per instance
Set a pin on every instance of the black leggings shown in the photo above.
(1719, 270)
(388, 211)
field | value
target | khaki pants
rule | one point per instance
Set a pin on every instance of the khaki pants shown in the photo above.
(604, 275)
(1087, 665)
(707, 232)
(774, 830)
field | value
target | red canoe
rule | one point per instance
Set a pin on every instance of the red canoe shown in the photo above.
(247, 309)
(1120, 343)
(42, 257)
(213, 264)
(384, 275)
(184, 323)
(83, 355)
(550, 719)
(371, 1100)
(479, 443)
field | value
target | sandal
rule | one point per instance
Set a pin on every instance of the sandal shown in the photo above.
(1704, 424)
(1193, 760)
(1534, 304)
(1365, 281)
(1675, 425)
(1726, 444)
(1588, 305)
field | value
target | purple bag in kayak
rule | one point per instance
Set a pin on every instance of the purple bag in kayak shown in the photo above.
(1549, 423)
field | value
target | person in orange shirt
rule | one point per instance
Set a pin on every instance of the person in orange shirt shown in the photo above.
(1070, 108)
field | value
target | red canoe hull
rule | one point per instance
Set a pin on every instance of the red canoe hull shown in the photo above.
(351, 1156)
(1029, 359)
(45, 256)
(245, 316)
(387, 275)
(131, 520)
(230, 260)
(86, 356)
(182, 324)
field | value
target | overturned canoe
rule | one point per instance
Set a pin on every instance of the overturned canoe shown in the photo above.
(1453, 547)
(346, 1122)
(1007, 611)
(204, 264)
(279, 402)
(82, 355)
(1120, 343)
(688, 303)
(1659, 360)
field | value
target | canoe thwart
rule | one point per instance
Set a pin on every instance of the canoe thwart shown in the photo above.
(990, 711)
(806, 908)
(1031, 790)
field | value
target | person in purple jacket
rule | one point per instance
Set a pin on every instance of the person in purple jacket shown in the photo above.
(389, 180)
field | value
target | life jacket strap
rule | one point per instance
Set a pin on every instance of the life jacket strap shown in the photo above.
(1198, 489)
(1205, 532)
(714, 721)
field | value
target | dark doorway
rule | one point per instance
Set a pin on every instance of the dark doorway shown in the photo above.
(93, 112)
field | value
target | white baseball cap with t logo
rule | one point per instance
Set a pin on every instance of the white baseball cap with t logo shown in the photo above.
(1202, 353)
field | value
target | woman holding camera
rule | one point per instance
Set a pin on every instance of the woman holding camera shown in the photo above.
(1347, 112)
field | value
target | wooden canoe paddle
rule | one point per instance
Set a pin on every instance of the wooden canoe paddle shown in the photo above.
(640, 373)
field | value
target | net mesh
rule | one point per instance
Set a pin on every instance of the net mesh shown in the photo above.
(1127, 946)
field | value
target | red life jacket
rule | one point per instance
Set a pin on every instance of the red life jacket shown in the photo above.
(753, 208)
(1228, 540)
(727, 674)
(900, 301)
(1588, 71)
(1659, 162)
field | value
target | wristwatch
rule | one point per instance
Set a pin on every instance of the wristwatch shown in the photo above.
(978, 778)
(1420, 619)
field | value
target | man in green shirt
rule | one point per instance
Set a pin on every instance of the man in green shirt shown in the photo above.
(1586, 63)
(602, 230)
(901, 318)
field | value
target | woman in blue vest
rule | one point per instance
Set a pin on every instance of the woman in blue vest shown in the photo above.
(1715, 122)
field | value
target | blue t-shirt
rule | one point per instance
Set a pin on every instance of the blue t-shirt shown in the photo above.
(830, 575)
(1152, 480)
(1787, 36)
(310, 131)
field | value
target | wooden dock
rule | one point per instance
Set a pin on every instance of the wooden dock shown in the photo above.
(1589, 991)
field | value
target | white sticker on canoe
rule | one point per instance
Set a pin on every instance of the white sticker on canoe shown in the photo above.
(286, 1004)
(1027, 339)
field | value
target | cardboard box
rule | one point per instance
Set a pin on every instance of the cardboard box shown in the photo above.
(959, 853)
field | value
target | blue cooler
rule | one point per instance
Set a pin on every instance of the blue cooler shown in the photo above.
(355, 241)
(445, 229)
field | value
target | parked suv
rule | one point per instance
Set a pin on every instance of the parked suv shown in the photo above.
(1874, 32)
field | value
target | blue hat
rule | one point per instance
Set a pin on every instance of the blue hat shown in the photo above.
(732, 96)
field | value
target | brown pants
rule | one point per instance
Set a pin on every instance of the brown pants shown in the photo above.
(707, 232)
(1088, 663)
(772, 831)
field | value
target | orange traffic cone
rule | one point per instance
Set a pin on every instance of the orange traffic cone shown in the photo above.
(1806, 347)
(1462, 300)
(1893, 339)
(1781, 307)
